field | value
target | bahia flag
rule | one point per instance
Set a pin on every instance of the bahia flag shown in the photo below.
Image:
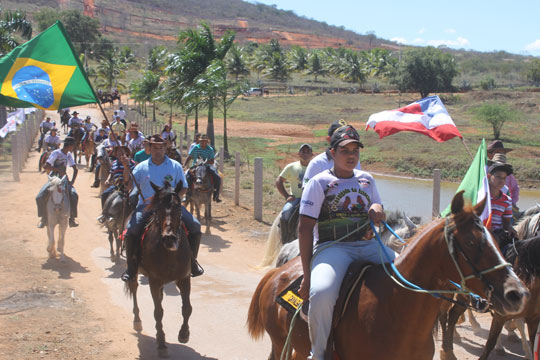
(45, 73)
(427, 116)
(475, 184)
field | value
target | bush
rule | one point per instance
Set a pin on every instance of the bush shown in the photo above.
(488, 83)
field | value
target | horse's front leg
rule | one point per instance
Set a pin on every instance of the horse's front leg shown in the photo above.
(207, 216)
(156, 288)
(118, 244)
(132, 286)
(111, 241)
(50, 248)
(184, 286)
(61, 237)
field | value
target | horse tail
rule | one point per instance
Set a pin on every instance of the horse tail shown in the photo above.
(254, 320)
(127, 290)
(273, 244)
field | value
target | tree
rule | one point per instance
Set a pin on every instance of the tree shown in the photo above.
(315, 67)
(82, 30)
(298, 58)
(425, 70)
(236, 65)
(12, 23)
(495, 115)
(533, 72)
(109, 70)
(276, 68)
(157, 59)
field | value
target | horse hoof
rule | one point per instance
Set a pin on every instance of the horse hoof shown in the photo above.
(183, 336)
(163, 353)
(62, 258)
(137, 326)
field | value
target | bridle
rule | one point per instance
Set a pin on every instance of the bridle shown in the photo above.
(455, 250)
(57, 206)
(206, 175)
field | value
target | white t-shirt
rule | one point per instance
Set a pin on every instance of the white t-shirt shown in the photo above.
(46, 125)
(49, 139)
(122, 114)
(128, 137)
(320, 163)
(136, 144)
(75, 120)
(340, 205)
(88, 126)
(60, 160)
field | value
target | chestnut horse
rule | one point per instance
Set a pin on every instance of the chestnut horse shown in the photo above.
(386, 321)
(166, 257)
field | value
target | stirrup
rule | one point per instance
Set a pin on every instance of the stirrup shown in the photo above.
(196, 268)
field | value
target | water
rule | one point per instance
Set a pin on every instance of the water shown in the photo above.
(415, 196)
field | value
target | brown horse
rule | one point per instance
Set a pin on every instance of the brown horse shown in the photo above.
(384, 320)
(89, 147)
(525, 258)
(166, 257)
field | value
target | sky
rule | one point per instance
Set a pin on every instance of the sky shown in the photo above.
(483, 25)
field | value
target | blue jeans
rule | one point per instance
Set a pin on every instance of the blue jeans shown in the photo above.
(43, 195)
(286, 214)
(328, 268)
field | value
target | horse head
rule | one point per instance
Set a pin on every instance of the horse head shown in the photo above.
(168, 212)
(479, 265)
(202, 177)
(57, 189)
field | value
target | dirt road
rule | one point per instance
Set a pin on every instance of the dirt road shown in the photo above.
(78, 309)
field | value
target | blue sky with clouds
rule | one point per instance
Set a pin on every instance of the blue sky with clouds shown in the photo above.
(484, 25)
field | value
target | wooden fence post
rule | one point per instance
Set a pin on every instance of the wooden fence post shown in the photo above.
(180, 144)
(436, 193)
(237, 178)
(20, 146)
(14, 160)
(258, 188)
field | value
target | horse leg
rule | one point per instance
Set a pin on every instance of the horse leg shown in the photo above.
(494, 332)
(61, 238)
(447, 352)
(474, 324)
(118, 244)
(132, 286)
(156, 288)
(184, 286)
(532, 325)
(111, 240)
(207, 215)
(50, 248)
(524, 343)
(511, 327)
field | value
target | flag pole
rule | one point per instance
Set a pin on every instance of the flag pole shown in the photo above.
(112, 132)
(467, 148)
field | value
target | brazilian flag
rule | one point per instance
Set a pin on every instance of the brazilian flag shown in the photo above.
(45, 73)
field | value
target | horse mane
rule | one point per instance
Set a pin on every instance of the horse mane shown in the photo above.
(525, 256)
(523, 225)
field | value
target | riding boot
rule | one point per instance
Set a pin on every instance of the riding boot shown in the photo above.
(194, 243)
(216, 196)
(132, 258)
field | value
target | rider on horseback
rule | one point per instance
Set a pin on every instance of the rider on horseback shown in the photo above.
(205, 153)
(75, 120)
(52, 140)
(57, 164)
(293, 173)
(143, 154)
(337, 204)
(106, 146)
(45, 126)
(157, 169)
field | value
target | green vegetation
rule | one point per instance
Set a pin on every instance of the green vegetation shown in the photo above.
(12, 25)
(495, 115)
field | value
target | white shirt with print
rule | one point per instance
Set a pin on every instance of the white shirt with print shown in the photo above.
(60, 160)
(320, 163)
(340, 205)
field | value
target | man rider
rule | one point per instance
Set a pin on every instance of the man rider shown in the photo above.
(135, 140)
(324, 160)
(293, 173)
(336, 203)
(57, 163)
(51, 140)
(143, 154)
(157, 169)
(196, 141)
(103, 127)
(205, 153)
(106, 146)
(45, 126)
(75, 120)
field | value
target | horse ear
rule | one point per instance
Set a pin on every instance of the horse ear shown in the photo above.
(179, 187)
(409, 222)
(155, 187)
(479, 208)
(457, 202)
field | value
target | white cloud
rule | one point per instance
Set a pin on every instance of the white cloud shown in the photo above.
(399, 40)
(421, 31)
(459, 42)
(534, 46)
(450, 31)
(418, 41)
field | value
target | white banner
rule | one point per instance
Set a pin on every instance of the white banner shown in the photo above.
(10, 126)
(17, 115)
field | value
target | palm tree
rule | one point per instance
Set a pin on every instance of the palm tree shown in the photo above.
(146, 89)
(109, 70)
(236, 65)
(315, 66)
(13, 22)
(277, 68)
(197, 50)
(298, 58)
(157, 59)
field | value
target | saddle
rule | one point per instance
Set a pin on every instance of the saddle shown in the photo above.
(291, 300)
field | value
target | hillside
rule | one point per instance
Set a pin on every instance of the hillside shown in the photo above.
(142, 23)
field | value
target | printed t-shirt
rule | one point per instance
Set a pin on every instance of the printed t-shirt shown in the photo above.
(293, 173)
(60, 160)
(340, 205)
(500, 208)
(146, 172)
(135, 144)
(320, 163)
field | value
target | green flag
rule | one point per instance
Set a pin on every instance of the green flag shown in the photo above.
(45, 73)
(475, 182)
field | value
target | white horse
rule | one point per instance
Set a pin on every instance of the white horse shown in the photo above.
(58, 209)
